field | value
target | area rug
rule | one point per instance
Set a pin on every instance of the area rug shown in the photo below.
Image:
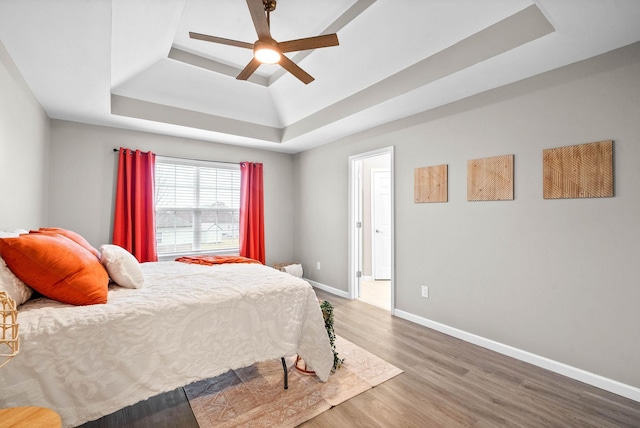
(254, 396)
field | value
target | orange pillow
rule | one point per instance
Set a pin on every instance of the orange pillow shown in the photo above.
(75, 237)
(56, 267)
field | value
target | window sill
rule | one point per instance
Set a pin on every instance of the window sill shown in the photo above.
(173, 256)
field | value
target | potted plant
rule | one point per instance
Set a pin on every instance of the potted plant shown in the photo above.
(327, 314)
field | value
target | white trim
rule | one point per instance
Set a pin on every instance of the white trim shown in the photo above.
(354, 254)
(198, 162)
(619, 388)
(328, 289)
(353, 250)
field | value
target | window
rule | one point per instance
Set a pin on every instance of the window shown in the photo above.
(197, 206)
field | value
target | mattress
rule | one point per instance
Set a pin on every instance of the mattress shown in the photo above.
(189, 322)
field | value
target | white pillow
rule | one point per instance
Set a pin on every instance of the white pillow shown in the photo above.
(9, 283)
(123, 268)
(12, 285)
(13, 234)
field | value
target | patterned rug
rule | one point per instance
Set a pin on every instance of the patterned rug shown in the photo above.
(254, 396)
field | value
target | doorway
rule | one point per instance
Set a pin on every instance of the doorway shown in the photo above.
(371, 228)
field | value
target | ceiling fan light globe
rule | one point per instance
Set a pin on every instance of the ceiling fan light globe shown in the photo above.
(267, 55)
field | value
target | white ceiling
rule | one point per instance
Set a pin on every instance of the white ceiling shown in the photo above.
(131, 64)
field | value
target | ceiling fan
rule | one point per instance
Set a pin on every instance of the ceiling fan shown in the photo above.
(268, 51)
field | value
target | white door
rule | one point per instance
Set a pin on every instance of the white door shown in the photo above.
(381, 222)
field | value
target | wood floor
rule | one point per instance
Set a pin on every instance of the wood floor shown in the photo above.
(376, 293)
(446, 383)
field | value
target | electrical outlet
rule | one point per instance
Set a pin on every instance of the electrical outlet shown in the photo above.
(425, 291)
(318, 265)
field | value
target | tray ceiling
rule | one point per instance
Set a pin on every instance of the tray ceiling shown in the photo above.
(131, 64)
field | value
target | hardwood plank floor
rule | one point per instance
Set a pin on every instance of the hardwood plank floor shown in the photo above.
(168, 410)
(446, 383)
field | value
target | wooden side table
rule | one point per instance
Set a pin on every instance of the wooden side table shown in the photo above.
(25, 417)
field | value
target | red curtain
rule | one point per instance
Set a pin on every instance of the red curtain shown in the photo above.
(251, 211)
(134, 225)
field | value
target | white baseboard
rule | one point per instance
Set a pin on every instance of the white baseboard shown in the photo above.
(328, 289)
(593, 379)
(619, 388)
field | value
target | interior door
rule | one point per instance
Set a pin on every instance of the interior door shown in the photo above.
(381, 222)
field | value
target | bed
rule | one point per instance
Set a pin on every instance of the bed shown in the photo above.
(188, 322)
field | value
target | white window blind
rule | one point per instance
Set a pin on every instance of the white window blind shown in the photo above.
(197, 206)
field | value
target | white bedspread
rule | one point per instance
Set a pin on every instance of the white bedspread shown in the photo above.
(189, 322)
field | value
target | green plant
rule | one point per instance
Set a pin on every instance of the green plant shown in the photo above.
(327, 313)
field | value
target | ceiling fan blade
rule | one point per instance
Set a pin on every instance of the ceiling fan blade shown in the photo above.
(309, 43)
(294, 69)
(249, 69)
(220, 40)
(259, 17)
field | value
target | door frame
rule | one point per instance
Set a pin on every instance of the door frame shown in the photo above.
(355, 216)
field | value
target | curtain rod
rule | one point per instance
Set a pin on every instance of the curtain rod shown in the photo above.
(189, 159)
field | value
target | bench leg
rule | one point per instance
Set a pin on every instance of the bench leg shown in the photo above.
(286, 374)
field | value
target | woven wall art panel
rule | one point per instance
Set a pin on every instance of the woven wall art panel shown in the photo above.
(582, 171)
(430, 184)
(490, 179)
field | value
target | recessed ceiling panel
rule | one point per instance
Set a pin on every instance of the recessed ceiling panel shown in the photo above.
(372, 48)
(181, 85)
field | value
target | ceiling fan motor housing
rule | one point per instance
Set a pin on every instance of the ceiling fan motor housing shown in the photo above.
(267, 51)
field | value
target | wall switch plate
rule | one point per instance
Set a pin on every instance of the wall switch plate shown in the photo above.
(425, 291)
(318, 265)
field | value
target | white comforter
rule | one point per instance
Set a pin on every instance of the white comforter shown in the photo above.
(189, 322)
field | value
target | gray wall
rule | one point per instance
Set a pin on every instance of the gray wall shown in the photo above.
(558, 278)
(84, 166)
(24, 151)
